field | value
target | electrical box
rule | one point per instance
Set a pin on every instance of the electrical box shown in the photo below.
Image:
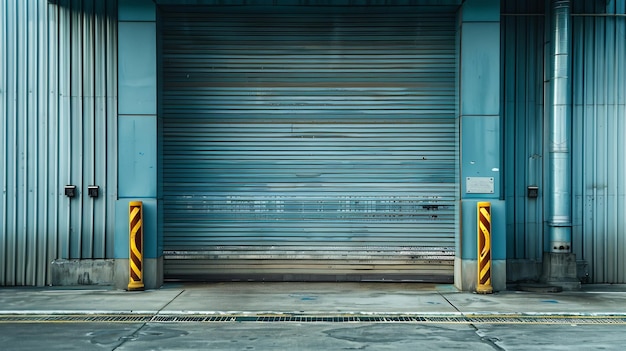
(70, 191)
(93, 190)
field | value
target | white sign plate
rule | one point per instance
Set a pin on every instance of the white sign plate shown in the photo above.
(479, 185)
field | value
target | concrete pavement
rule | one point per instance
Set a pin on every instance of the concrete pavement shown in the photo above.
(310, 316)
(311, 299)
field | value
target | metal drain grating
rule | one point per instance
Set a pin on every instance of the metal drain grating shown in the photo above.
(547, 320)
(184, 318)
(80, 318)
(361, 319)
(193, 318)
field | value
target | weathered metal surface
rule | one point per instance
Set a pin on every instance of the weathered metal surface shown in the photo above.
(58, 125)
(308, 127)
(599, 127)
(523, 61)
(598, 162)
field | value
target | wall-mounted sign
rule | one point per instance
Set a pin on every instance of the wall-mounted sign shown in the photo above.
(479, 185)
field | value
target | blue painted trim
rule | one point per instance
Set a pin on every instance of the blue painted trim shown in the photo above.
(137, 68)
(137, 123)
(479, 116)
(136, 10)
(481, 11)
(481, 145)
(480, 69)
(137, 157)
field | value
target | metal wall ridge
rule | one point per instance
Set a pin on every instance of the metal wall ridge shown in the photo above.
(58, 102)
(598, 85)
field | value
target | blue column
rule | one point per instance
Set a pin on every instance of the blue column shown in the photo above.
(481, 138)
(137, 136)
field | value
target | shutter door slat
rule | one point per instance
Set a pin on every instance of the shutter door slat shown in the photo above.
(308, 143)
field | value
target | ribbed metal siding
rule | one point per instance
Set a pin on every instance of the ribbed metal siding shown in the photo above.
(58, 107)
(598, 129)
(523, 107)
(318, 141)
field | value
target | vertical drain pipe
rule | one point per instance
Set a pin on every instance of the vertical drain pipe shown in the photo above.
(560, 218)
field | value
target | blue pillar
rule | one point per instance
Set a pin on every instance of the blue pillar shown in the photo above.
(481, 138)
(137, 136)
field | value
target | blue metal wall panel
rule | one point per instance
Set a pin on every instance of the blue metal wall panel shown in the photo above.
(137, 122)
(381, 3)
(598, 127)
(482, 97)
(137, 137)
(137, 67)
(58, 104)
(599, 114)
(323, 139)
(522, 105)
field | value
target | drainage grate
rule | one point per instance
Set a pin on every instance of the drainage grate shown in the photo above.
(80, 318)
(546, 320)
(361, 319)
(184, 318)
(194, 318)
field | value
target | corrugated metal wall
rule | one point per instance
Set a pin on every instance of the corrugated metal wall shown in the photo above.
(58, 105)
(522, 106)
(598, 130)
(599, 135)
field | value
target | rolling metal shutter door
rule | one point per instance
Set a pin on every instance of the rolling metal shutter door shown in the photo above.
(314, 143)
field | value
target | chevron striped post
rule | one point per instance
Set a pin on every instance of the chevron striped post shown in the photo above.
(135, 219)
(484, 248)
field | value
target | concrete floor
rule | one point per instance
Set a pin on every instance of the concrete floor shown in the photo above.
(310, 298)
(313, 299)
(309, 337)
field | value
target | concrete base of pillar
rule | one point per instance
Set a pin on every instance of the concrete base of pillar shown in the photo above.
(152, 273)
(560, 269)
(81, 272)
(466, 274)
(523, 270)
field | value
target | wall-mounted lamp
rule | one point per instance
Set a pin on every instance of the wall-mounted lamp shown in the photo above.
(93, 190)
(533, 191)
(70, 191)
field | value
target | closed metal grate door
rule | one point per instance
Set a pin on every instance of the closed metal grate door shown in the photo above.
(304, 143)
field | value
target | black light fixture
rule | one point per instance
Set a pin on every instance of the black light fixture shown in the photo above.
(93, 190)
(533, 191)
(70, 191)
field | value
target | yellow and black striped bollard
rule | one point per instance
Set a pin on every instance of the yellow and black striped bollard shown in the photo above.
(484, 248)
(135, 220)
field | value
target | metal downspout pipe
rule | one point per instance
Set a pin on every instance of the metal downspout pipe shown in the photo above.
(560, 217)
